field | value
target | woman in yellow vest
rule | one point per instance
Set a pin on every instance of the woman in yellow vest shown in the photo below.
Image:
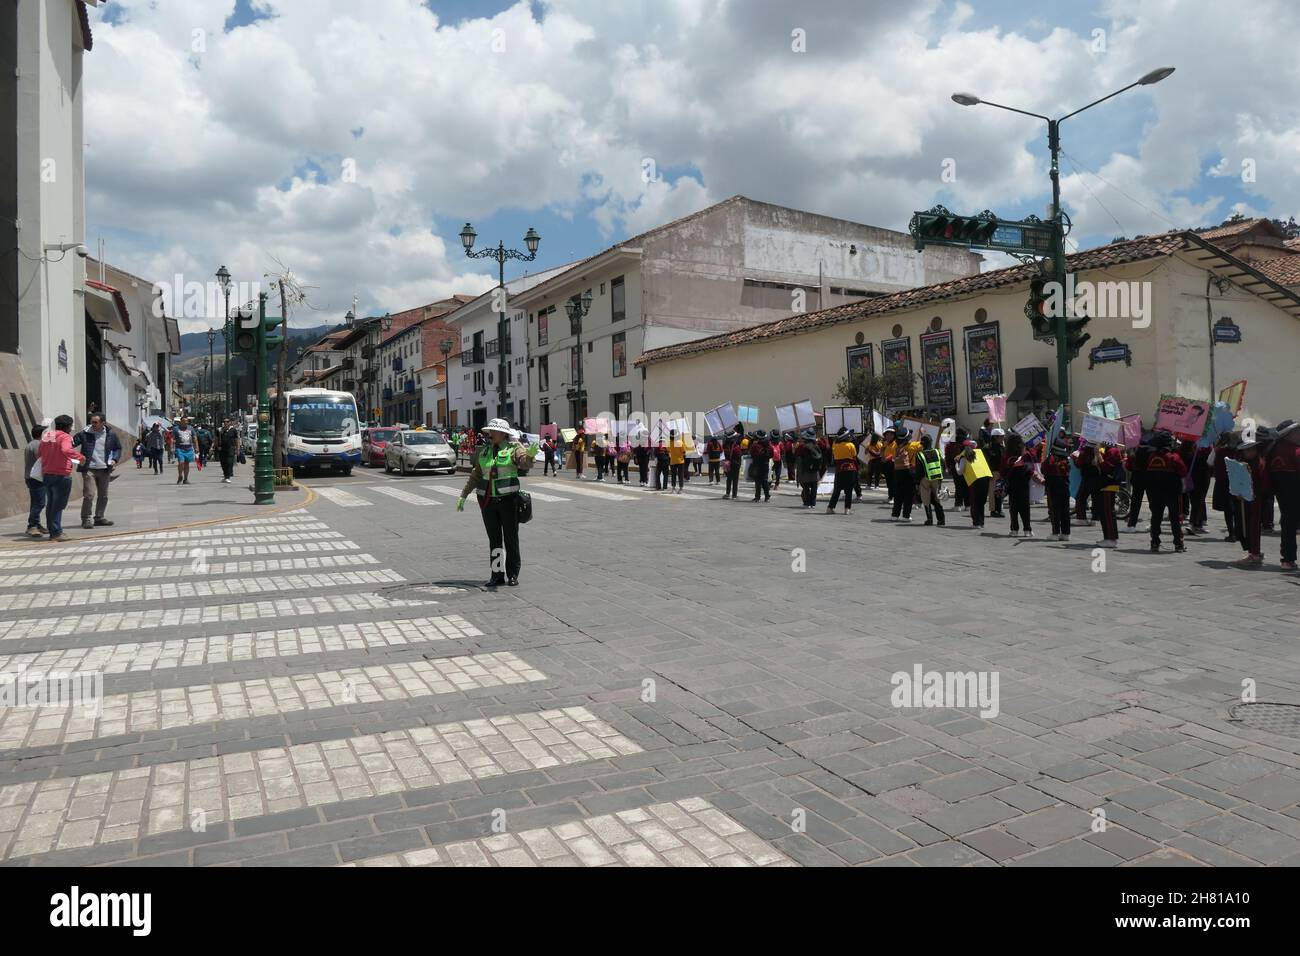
(978, 475)
(676, 461)
(498, 463)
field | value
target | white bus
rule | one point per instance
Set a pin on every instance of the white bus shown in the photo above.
(322, 430)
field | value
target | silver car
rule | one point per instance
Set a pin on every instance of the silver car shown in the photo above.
(411, 451)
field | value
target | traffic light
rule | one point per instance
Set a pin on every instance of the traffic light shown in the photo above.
(941, 227)
(270, 336)
(245, 340)
(1075, 337)
(1036, 308)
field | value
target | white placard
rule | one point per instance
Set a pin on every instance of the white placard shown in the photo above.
(920, 428)
(785, 418)
(727, 416)
(1029, 427)
(713, 422)
(880, 422)
(804, 416)
(1097, 430)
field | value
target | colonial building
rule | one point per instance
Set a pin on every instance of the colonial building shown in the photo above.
(731, 266)
(1180, 316)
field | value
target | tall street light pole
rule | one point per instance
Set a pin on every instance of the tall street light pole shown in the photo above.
(1061, 321)
(223, 277)
(577, 307)
(501, 254)
(212, 369)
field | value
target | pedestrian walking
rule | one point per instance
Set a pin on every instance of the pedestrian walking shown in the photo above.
(184, 441)
(760, 457)
(498, 463)
(204, 439)
(976, 471)
(845, 455)
(808, 467)
(1282, 466)
(548, 456)
(1056, 473)
(228, 449)
(35, 486)
(906, 451)
(101, 449)
(155, 443)
(138, 453)
(734, 450)
(57, 458)
(579, 449)
(1164, 471)
(929, 473)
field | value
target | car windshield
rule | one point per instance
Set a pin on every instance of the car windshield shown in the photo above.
(423, 438)
(387, 435)
(322, 417)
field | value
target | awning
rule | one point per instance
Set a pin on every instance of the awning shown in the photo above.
(106, 307)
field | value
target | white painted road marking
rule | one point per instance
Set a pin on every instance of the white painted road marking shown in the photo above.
(344, 499)
(407, 496)
(68, 812)
(174, 707)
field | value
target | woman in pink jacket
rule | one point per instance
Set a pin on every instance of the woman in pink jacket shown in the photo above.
(58, 458)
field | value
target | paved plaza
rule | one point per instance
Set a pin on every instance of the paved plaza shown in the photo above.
(678, 680)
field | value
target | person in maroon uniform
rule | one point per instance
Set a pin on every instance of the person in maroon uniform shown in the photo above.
(1165, 471)
(1056, 472)
(1135, 462)
(1110, 472)
(1017, 473)
(713, 451)
(1085, 459)
(733, 450)
(1282, 463)
(1249, 512)
(1225, 447)
(787, 454)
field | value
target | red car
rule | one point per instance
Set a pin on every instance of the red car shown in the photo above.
(374, 442)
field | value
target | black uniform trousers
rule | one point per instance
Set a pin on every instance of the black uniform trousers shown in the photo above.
(1165, 493)
(904, 492)
(1058, 504)
(1286, 486)
(1137, 488)
(501, 519)
(843, 483)
(762, 480)
(733, 479)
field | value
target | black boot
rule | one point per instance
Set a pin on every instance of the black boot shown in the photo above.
(495, 581)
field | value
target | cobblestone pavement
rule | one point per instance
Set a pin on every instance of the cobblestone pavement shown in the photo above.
(679, 680)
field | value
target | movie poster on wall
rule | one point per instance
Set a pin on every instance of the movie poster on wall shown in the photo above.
(939, 372)
(859, 357)
(983, 348)
(896, 355)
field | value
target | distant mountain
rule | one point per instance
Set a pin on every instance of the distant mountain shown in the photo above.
(195, 344)
(188, 366)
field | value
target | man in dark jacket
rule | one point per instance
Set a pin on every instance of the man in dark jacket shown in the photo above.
(100, 445)
(228, 448)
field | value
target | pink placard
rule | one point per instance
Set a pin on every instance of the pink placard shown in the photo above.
(1183, 417)
(1132, 430)
(549, 431)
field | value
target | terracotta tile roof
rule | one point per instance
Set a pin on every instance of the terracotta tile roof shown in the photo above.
(1132, 250)
(1293, 244)
(1284, 270)
(1231, 229)
(83, 15)
(117, 300)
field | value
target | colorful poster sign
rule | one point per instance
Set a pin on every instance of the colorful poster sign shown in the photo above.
(549, 431)
(939, 372)
(1102, 431)
(859, 359)
(1029, 428)
(1058, 422)
(1182, 417)
(983, 347)
(896, 356)
(1234, 396)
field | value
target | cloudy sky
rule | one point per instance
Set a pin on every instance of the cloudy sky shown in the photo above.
(350, 141)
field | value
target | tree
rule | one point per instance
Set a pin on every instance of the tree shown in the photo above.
(292, 293)
(861, 387)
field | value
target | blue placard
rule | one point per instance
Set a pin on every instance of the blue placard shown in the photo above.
(1239, 482)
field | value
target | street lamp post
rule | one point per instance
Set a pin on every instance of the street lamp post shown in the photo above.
(212, 368)
(1060, 323)
(577, 307)
(223, 277)
(501, 254)
(201, 399)
(445, 346)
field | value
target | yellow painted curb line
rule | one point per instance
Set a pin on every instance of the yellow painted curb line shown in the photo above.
(308, 501)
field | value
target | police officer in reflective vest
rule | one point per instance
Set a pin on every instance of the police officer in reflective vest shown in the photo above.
(929, 467)
(498, 463)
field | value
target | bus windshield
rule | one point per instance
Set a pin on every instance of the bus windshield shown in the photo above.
(325, 417)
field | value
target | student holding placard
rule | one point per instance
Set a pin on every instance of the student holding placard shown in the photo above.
(1165, 471)
(1245, 477)
(975, 469)
(845, 455)
(1017, 473)
(734, 451)
(713, 450)
(677, 461)
(1225, 448)
(1282, 465)
(808, 466)
(906, 452)
(1110, 477)
(1056, 473)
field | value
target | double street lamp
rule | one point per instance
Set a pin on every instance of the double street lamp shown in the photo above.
(577, 307)
(1064, 353)
(211, 370)
(223, 277)
(501, 254)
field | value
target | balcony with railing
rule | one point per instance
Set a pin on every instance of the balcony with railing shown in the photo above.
(473, 357)
(397, 364)
(348, 362)
(367, 352)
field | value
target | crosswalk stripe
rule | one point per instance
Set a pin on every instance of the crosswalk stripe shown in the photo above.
(344, 499)
(402, 495)
(146, 710)
(94, 809)
(688, 832)
(197, 566)
(455, 492)
(149, 618)
(213, 549)
(135, 657)
(199, 589)
(228, 535)
(578, 489)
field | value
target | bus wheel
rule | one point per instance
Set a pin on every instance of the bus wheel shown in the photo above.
(347, 471)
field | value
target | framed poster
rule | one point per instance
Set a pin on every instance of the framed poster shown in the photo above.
(859, 357)
(896, 355)
(939, 372)
(983, 347)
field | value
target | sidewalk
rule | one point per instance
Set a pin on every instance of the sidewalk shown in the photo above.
(139, 500)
